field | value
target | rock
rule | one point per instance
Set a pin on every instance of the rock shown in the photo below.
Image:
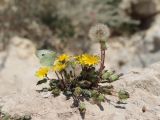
(144, 80)
(142, 85)
(24, 47)
(46, 94)
(141, 9)
(19, 67)
(18, 88)
(152, 37)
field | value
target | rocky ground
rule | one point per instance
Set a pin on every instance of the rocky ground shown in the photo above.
(18, 95)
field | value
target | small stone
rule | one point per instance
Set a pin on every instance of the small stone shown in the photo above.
(144, 109)
(46, 94)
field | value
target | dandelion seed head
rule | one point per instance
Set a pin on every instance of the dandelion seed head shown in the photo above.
(99, 32)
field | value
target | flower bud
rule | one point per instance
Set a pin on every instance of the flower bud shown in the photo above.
(82, 107)
(77, 91)
(122, 94)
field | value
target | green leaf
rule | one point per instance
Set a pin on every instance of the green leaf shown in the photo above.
(27, 117)
(17, 117)
(68, 93)
(94, 93)
(6, 116)
(77, 91)
(46, 57)
(41, 81)
(56, 92)
(85, 84)
(114, 77)
(87, 93)
(101, 98)
(82, 107)
(106, 90)
(122, 94)
(54, 83)
(104, 81)
(107, 74)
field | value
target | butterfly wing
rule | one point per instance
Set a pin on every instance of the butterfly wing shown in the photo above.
(40, 53)
(47, 57)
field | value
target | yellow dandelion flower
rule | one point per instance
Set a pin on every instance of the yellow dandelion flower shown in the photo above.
(63, 58)
(59, 66)
(42, 72)
(87, 60)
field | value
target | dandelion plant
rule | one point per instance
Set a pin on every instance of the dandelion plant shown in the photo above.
(77, 77)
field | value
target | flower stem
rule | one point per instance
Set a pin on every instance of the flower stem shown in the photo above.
(63, 80)
(103, 49)
(62, 83)
(57, 75)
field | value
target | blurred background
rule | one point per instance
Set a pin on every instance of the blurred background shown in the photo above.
(63, 25)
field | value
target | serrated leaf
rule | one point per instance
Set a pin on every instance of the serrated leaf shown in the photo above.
(41, 81)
